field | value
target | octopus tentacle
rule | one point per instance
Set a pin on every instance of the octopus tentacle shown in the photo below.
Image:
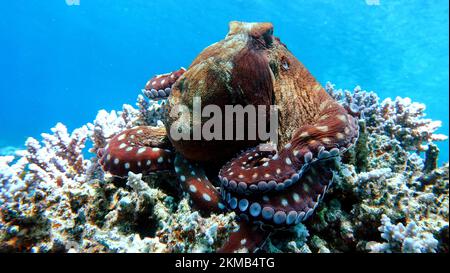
(160, 86)
(285, 187)
(193, 181)
(142, 149)
(286, 207)
(247, 237)
(334, 128)
(331, 134)
(207, 198)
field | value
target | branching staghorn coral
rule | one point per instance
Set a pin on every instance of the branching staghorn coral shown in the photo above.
(401, 118)
(409, 239)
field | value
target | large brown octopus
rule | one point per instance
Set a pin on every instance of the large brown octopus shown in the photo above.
(267, 188)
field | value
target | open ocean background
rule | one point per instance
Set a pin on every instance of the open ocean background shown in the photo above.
(64, 63)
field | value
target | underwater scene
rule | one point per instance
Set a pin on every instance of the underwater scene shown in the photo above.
(150, 126)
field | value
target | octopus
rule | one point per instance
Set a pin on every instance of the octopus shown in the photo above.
(269, 186)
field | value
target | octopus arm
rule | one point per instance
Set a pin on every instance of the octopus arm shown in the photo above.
(329, 133)
(332, 131)
(142, 149)
(284, 187)
(160, 86)
(193, 181)
(287, 206)
(247, 237)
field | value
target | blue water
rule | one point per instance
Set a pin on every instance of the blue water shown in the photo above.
(64, 63)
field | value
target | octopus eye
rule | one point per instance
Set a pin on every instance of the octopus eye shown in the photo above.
(285, 63)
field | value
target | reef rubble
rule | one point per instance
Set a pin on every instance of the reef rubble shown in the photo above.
(389, 193)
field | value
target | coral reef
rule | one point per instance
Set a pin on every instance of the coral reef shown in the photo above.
(54, 199)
